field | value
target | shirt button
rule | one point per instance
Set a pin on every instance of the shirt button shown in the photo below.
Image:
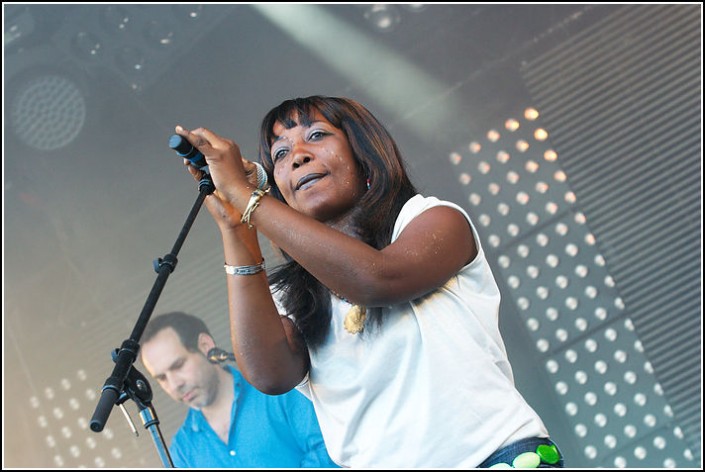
(232, 453)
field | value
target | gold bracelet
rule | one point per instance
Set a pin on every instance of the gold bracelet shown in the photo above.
(252, 206)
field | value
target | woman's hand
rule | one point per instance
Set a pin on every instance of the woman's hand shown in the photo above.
(228, 169)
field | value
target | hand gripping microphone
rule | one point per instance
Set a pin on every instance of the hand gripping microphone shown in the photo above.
(186, 150)
(217, 356)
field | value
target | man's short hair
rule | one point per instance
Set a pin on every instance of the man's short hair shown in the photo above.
(188, 327)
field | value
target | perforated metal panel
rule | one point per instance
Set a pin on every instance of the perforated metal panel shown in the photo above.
(632, 157)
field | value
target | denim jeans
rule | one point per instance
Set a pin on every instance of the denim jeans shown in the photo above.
(508, 453)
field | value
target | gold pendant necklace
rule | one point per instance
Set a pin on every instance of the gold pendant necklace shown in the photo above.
(354, 321)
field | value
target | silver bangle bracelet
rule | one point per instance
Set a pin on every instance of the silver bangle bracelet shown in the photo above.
(244, 270)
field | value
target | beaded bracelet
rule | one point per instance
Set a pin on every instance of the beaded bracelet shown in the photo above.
(262, 181)
(252, 206)
(244, 270)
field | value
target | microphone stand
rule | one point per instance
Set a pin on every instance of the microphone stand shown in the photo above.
(125, 381)
(138, 389)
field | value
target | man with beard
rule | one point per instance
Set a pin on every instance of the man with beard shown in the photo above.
(229, 422)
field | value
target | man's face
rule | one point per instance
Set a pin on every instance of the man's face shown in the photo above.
(186, 376)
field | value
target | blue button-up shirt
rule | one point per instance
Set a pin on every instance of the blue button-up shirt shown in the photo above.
(265, 431)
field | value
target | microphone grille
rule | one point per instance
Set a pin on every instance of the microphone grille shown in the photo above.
(180, 145)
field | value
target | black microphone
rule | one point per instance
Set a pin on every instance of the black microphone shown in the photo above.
(185, 149)
(217, 356)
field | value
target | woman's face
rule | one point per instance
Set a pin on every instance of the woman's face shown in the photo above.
(315, 170)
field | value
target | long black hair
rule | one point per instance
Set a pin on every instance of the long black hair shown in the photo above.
(379, 161)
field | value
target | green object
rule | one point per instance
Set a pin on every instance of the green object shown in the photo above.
(527, 460)
(548, 453)
(545, 453)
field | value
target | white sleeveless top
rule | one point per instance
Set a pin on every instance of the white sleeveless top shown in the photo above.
(433, 388)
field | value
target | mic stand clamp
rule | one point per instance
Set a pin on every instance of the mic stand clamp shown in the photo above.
(138, 389)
